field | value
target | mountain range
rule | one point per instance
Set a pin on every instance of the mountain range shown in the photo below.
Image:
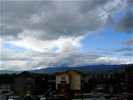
(88, 68)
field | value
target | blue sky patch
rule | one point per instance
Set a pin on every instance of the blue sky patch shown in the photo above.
(13, 47)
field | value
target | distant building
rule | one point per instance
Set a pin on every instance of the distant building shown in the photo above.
(51, 82)
(129, 81)
(69, 81)
(30, 83)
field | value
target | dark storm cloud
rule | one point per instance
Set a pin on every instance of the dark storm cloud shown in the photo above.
(87, 6)
(16, 15)
(24, 9)
(53, 19)
(129, 4)
(11, 31)
(125, 24)
(110, 20)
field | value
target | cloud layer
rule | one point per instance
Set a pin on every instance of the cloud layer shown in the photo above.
(36, 60)
(51, 32)
(125, 24)
(48, 20)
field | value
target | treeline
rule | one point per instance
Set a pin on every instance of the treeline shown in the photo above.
(7, 78)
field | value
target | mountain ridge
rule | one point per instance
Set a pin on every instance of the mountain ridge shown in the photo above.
(87, 68)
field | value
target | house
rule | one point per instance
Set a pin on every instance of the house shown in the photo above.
(30, 83)
(69, 81)
(129, 81)
(51, 82)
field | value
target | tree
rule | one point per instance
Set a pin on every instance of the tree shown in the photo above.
(129, 71)
(46, 94)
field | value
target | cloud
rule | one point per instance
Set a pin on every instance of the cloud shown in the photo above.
(104, 51)
(39, 26)
(16, 60)
(49, 20)
(106, 60)
(88, 6)
(128, 4)
(107, 53)
(128, 54)
(40, 45)
(11, 31)
(125, 24)
(129, 42)
(124, 49)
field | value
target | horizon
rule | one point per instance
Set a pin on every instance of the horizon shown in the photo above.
(92, 68)
(42, 34)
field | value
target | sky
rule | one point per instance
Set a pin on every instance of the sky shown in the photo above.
(38, 34)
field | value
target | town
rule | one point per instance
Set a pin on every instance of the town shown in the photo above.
(67, 85)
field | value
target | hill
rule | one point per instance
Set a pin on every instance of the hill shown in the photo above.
(88, 68)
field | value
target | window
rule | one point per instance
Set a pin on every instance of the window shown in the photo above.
(29, 83)
(28, 92)
(43, 79)
(63, 84)
(62, 90)
(62, 77)
(28, 79)
(28, 86)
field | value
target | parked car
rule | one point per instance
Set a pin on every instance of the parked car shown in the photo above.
(27, 94)
(43, 98)
(10, 99)
(57, 97)
(13, 97)
(4, 91)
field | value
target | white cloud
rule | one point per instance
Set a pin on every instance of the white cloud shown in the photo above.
(41, 45)
(16, 60)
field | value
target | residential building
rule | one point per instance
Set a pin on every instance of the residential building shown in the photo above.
(29, 83)
(51, 82)
(69, 81)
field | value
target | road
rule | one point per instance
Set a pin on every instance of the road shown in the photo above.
(2, 98)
